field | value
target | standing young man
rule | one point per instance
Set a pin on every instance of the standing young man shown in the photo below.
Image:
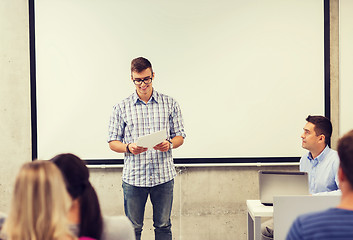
(147, 172)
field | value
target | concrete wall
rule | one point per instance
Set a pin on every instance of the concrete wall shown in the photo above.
(15, 128)
(209, 202)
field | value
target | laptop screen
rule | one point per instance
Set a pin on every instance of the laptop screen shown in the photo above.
(281, 183)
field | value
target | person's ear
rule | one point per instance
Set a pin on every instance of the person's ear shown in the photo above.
(322, 138)
(341, 175)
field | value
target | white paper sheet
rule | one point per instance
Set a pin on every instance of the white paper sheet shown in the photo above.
(151, 140)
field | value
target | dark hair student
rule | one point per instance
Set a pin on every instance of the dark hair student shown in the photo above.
(76, 174)
(323, 126)
(139, 64)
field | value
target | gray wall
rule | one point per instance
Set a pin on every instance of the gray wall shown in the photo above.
(209, 202)
(15, 138)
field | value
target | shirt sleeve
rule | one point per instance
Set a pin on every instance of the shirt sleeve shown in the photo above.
(116, 125)
(302, 164)
(332, 177)
(295, 232)
(336, 165)
(176, 122)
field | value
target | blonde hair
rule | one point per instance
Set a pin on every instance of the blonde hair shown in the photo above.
(40, 204)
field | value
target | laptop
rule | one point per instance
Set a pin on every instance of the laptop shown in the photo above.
(287, 208)
(281, 183)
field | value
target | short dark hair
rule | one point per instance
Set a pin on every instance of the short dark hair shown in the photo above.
(139, 64)
(345, 152)
(322, 126)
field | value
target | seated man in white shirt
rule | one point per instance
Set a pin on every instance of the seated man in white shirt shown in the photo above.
(333, 223)
(321, 162)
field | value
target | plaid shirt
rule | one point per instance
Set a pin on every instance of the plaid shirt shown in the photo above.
(133, 118)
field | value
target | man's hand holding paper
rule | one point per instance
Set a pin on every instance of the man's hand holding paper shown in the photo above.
(134, 149)
(156, 140)
(163, 146)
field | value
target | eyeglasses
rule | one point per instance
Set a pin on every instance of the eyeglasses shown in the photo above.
(138, 81)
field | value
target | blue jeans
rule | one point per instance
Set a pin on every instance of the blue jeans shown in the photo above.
(161, 198)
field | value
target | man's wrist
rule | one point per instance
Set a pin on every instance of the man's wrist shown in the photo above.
(171, 144)
(127, 148)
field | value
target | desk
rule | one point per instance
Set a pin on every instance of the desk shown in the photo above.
(256, 210)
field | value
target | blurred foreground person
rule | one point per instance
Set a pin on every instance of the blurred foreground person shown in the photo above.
(85, 214)
(39, 206)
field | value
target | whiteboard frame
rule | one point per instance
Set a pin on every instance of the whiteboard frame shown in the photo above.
(180, 161)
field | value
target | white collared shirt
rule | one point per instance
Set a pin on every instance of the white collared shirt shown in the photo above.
(322, 170)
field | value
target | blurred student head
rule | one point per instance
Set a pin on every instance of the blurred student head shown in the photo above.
(345, 152)
(40, 204)
(76, 175)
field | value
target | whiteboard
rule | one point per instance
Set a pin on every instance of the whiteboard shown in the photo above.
(245, 73)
